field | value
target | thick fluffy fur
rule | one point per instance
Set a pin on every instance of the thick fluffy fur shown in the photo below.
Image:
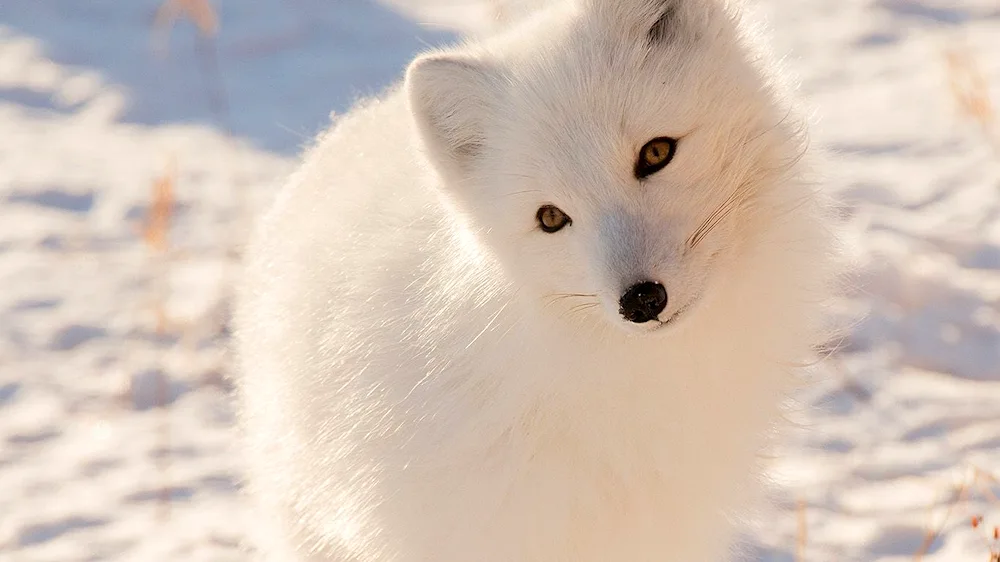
(422, 379)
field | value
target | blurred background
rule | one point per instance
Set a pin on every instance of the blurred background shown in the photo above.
(139, 138)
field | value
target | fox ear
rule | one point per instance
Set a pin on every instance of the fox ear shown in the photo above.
(451, 97)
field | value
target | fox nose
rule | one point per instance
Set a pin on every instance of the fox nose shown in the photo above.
(643, 302)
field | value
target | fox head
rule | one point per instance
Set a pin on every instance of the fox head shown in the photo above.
(613, 154)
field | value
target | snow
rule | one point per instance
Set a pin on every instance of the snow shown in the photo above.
(97, 329)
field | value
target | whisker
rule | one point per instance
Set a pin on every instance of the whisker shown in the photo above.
(554, 298)
(559, 296)
(582, 307)
(720, 212)
(524, 192)
(735, 200)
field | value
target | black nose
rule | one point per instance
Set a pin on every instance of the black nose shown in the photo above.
(643, 302)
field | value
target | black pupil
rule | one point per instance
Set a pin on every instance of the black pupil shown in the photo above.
(655, 153)
(654, 156)
(552, 219)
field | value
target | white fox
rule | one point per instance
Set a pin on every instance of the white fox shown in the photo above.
(540, 303)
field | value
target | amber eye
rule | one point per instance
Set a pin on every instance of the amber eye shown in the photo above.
(654, 156)
(551, 219)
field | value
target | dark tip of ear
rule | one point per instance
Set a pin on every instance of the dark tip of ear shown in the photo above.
(665, 28)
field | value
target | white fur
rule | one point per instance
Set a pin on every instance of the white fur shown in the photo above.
(415, 387)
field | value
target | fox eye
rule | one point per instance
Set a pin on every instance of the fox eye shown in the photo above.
(552, 219)
(654, 156)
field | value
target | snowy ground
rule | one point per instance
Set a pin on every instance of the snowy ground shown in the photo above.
(98, 327)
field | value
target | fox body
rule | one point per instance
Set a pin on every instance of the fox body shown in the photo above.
(541, 302)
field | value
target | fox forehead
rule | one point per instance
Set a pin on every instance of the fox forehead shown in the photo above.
(581, 124)
(613, 92)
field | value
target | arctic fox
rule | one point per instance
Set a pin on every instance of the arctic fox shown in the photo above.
(539, 303)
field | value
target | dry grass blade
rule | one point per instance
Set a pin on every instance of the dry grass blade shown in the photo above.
(156, 230)
(499, 12)
(204, 17)
(156, 235)
(931, 534)
(971, 91)
(977, 479)
(199, 12)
